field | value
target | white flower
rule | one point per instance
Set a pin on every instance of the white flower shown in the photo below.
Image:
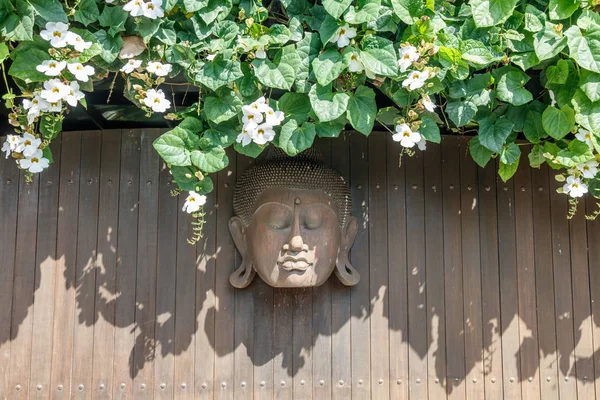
(35, 106)
(427, 103)
(422, 144)
(81, 72)
(343, 35)
(135, 8)
(55, 90)
(574, 187)
(35, 162)
(259, 105)
(6, 149)
(264, 134)
(155, 99)
(51, 67)
(406, 136)
(131, 66)
(53, 107)
(77, 42)
(74, 94)
(11, 144)
(585, 136)
(153, 9)
(589, 169)
(158, 68)
(408, 55)
(56, 33)
(273, 117)
(552, 98)
(211, 57)
(355, 65)
(416, 79)
(251, 117)
(245, 46)
(260, 52)
(246, 136)
(193, 202)
(28, 145)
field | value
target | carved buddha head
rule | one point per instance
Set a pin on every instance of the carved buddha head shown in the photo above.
(293, 225)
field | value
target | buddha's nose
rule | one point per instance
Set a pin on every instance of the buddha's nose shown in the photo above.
(296, 243)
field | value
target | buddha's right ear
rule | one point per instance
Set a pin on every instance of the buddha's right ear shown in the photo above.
(242, 276)
(343, 269)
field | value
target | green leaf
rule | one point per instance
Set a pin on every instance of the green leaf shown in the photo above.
(49, 10)
(547, 43)
(478, 54)
(279, 34)
(219, 72)
(558, 122)
(480, 154)
(534, 19)
(191, 124)
(590, 84)
(294, 139)
(47, 154)
(86, 12)
(510, 88)
(336, 8)
(365, 11)
(506, 171)
(295, 106)
(430, 130)
(212, 160)
(172, 149)
(110, 45)
(50, 126)
(558, 74)
(585, 48)
(18, 23)
(328, 28)
(587, 113)
(536, 156)
(224, 107)
(251, 149)
(329, 129)
(491, 12)
(561, 9)
(493, 132)
(362, 109)
(328, 66)
(525, 60)
(114, 18)
(279, 76)
(25, 63)
(461, 112)
(379, 55)
(510, 154)
(327, 105)
(532, 128)
(409, 11)
(4, 52)
(308, 49)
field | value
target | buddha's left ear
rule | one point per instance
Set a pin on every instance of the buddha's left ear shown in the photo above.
(343, 269)
(242, 276)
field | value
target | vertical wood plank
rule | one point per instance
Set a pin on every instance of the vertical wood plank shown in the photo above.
(544, 278)
(282, 345)
(85, 279)
(341, 356)
(145, 290)
(43, 306)
(582, 303)
(378, 261)
(321, 299)
(9, 202)
(471, 259)
(185, 307)
(360, 301)
(508, 289)
(417, 273)
(224, 292)
(168, 214)
(434, 258)
(66, 252)
(106, 262)
(302, 344)
(263, 339)
(455, 344)
(244, 324)
(593, 233)
(490, 283)
(206, 253)
(23, 283)
(528, 332)
(561, 263)
(126, 263)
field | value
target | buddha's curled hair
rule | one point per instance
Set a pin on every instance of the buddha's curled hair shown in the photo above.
(306, 170)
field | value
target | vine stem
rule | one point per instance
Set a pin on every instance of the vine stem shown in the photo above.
(4, 77)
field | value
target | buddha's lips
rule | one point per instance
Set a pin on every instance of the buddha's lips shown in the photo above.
(290, 263)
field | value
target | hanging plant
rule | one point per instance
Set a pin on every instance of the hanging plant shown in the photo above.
(284, 72)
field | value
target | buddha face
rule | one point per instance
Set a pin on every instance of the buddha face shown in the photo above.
(293, 239)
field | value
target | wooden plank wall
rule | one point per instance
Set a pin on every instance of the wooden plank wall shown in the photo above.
(471, 288)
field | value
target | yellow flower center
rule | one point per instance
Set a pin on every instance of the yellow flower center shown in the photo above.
(342, 32)
(35, 160)
(27, 142)
(261, 132)
(56, 34)
(586, 168)
(157, 100)
(415, 76)
(406, 134)
(150, 6)
(192, 199)
(55, 90)
(575, 185)
(52, 65)
(79, 67)
(250, 116)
